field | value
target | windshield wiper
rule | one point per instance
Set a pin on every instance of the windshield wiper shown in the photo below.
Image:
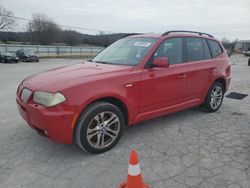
(103, 62)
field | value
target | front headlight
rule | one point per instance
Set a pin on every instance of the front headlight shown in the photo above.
(48, 99)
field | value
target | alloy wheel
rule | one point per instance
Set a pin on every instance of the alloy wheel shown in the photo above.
(103, 129)
(216, 97)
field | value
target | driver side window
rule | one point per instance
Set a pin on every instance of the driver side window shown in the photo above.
(172, 49)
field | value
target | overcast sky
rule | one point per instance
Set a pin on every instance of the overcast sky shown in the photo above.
(229, 18)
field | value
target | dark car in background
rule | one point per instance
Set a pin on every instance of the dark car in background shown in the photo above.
(27, 55)
(6, 57)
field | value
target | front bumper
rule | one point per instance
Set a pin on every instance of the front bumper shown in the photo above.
(10, 60)
(54, 123)
(31, 59)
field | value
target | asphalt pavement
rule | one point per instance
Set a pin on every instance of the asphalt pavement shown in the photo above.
(183, 150)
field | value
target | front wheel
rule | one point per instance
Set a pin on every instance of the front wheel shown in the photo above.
(99, 128)
(214, 97)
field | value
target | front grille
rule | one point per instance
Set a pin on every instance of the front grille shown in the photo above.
(25, 95)
(21, 106)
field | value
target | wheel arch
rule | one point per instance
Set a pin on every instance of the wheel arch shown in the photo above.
(110, 99)
(222, 81)
(115, 100)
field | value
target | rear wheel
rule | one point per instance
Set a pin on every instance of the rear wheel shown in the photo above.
(214, 97)
(99, 128)
(248, 61)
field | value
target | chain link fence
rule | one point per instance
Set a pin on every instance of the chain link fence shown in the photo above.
(53, 51)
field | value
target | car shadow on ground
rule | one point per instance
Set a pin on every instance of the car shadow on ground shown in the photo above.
(30, 143)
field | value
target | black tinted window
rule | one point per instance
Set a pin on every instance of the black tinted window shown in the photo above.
(194, 48)
(215, 48)
(172, 49)
(206, 49)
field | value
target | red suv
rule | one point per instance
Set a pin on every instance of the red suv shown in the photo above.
(134, 79)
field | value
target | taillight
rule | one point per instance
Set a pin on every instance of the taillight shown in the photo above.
(228, 70)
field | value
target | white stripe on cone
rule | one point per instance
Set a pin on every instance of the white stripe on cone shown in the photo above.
(134, 170)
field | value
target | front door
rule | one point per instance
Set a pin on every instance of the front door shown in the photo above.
(164, 87)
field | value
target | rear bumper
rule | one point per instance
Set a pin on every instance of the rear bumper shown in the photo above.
(52, 123)
(228, 81)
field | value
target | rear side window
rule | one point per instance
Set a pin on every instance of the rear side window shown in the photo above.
(172, 49)
(206, 49)
(215, 48)
(194, 49)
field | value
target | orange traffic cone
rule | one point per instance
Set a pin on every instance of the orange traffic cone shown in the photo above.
(134, 179)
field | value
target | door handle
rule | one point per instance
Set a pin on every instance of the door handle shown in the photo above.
(182, 75)
(211, 70)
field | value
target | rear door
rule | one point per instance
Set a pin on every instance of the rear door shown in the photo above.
(200, 67)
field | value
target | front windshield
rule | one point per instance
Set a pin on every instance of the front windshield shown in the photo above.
(126, 51)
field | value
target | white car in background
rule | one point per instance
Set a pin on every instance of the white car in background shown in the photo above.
(247, 52)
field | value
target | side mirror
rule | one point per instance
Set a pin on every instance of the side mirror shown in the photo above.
(161, 62)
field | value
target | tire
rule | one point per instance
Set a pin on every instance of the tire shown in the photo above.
(248, 61)
(92, 122)
(210, 106)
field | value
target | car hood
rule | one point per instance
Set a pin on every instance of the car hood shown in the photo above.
(64, 77)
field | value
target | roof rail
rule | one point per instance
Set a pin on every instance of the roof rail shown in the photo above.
(183, 31)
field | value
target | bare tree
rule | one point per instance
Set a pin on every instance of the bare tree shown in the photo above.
(6, 19)
(70, 37)
(43, 29)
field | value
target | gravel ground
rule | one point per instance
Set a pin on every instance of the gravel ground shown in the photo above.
(187, 149)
